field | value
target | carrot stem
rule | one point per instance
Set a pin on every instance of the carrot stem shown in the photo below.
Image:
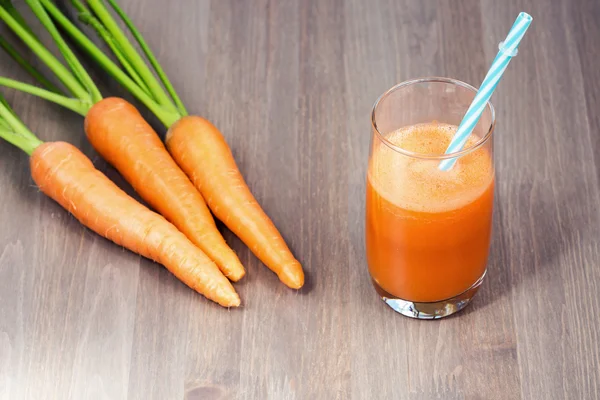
(10, 8)
(28, 146)
(88, 18)
(14, 54)
(5, 103)
(150, 56)
(167, 117)
(3, 123)
(114, 47)
(65, 76)
(76, 67)
(131, 53)
(17, 133)
(77, 105)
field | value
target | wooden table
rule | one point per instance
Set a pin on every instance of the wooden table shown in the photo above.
(291, 85)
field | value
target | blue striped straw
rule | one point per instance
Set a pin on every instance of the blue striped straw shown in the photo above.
(508, 49)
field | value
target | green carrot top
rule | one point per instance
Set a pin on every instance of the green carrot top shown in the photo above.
(82, 93)
(14, 131)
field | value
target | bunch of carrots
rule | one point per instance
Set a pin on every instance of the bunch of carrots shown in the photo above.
(184, 179)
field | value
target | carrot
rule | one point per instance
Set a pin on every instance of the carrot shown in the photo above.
(195, 144)
(120, 134)
(207, 160)
(66, 175)
(201, 151)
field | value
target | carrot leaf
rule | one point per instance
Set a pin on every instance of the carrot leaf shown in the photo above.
(149, 55)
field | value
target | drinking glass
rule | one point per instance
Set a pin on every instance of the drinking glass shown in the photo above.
(428, 231)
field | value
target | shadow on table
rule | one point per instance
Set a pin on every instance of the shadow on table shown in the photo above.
(531, 232)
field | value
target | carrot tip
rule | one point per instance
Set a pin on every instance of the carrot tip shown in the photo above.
(230, 300)
(292, 275)
(236, 275)
(236, 302)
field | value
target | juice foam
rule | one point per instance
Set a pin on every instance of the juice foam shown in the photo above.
(417, 184)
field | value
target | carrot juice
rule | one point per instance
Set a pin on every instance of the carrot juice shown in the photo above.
(427, 231)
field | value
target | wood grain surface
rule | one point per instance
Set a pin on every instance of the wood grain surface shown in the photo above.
(291, 85)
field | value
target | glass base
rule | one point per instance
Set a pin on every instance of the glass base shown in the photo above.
(433, 310)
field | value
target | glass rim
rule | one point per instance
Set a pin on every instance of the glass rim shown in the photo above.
(409, 153)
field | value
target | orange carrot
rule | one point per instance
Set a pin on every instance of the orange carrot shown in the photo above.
(120, 134)
(201, 151)
(66, 175)
(123, 138)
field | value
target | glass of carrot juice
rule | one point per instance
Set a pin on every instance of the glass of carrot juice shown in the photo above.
(427, 230)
